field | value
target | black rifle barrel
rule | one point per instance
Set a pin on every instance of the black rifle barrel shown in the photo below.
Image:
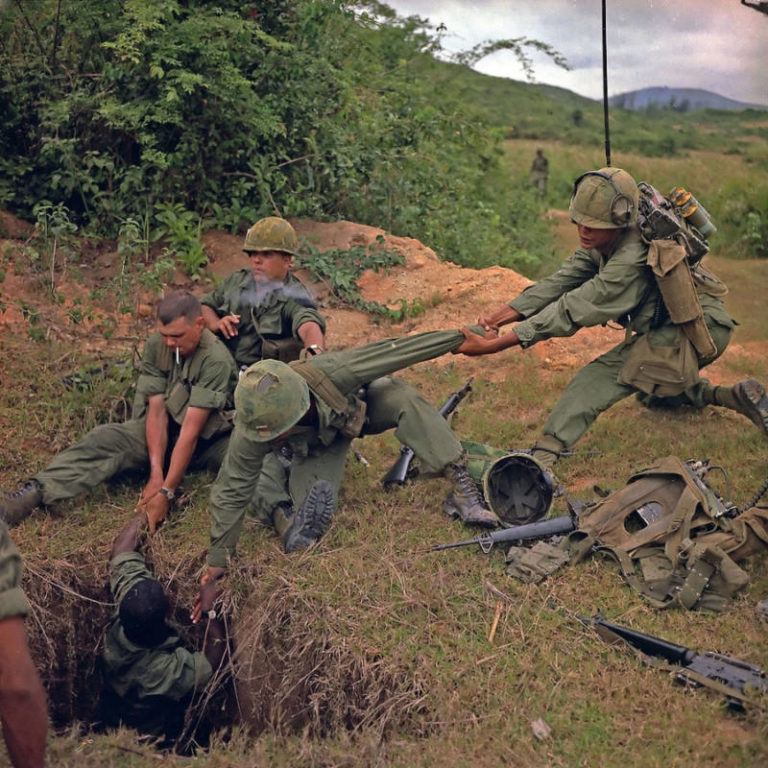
(398, 472)
(554, 526)
(648, 644)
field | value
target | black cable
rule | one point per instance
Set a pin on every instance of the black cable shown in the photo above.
(605, 90)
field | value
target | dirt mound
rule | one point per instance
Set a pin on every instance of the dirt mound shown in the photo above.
(436, 294)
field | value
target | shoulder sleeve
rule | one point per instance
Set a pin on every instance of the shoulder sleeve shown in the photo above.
(300, 307)
(152, 376)
(125, 570)
(214, 385)
(220, 299)
(232, 493)
(176, 674)
(578, 269)
(12, 599)
(617, 289)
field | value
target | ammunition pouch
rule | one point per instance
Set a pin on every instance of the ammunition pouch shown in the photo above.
(663, 370)
(669, 264)
(284, 350)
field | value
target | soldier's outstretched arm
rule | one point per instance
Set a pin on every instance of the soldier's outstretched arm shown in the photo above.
(487, 344)
(232, 493)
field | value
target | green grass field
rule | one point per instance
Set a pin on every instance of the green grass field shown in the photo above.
(381, 653)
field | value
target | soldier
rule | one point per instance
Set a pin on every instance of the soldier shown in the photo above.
(23, 708)
(150, 677)
(265, 312)
(184, 390)
(317, 407)
(539, 173)
(606, 279)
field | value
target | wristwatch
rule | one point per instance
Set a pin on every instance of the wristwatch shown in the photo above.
(168, 493)
(315, 349)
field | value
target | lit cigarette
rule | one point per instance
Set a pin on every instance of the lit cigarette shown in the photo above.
(178, 358)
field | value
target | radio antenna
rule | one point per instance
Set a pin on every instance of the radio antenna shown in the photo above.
(605, 91)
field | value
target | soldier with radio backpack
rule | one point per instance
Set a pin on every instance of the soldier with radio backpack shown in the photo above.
(639, 264)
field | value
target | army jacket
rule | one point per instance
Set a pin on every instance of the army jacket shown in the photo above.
(271, 311)
(593, 289)
(206, 379)
(140, 675)
(348, 370)
(12, 600)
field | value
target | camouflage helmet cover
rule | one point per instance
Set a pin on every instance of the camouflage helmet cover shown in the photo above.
(271, 234)
(270, 399)
(604, 199)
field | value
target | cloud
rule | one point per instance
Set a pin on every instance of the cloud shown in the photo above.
(687, 43)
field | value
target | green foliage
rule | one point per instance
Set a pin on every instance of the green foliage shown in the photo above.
(226, 112)
(340, 270)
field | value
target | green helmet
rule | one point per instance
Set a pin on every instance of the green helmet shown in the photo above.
(604, 199)
(269, 399)
(271, 234)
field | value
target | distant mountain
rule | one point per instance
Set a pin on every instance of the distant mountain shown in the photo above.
(678, 99)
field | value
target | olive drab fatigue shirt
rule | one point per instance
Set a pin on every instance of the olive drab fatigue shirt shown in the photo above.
(206, 379)
(140, 675)
(349, 370)
(267, 312)
(13, 602)
(592, 289)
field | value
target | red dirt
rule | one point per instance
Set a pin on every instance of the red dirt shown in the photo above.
(452, 295)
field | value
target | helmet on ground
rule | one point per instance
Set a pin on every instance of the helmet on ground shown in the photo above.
(604, 199)
(518, 489)
(271, 234)
(270, 399)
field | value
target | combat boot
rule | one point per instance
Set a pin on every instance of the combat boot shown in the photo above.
(17, 505)
(311, 520)
(465, 501)
(752, 401)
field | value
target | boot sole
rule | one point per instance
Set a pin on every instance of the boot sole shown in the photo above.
(452, 510)
(312, 519)
(756, 403)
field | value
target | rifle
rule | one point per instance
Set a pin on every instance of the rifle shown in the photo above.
(401, 469)
(554, 526)
(733, 678)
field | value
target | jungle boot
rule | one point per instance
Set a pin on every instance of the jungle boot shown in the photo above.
(547, 451)
(300, 529)
(465, 501)
(17, 505)
(752, 401)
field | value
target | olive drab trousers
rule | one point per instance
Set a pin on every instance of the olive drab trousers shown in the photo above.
(108, 450)
(391, 404)
(596, 387)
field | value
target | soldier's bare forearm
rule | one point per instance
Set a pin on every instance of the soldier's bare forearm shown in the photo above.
(311, 333)
(502, 316)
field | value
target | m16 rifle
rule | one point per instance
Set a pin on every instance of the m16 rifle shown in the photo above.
(543, 529)
(733, 678)
(401, 470)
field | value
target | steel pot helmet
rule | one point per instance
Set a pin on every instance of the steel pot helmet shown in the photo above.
(272, 234)
(604, 199)
(270, 399)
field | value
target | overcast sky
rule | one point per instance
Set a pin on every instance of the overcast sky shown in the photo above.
(718, 45)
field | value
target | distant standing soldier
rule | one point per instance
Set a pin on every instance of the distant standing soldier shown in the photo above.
(608, 279)
(23, 708)
(539, 172)
(183, 394)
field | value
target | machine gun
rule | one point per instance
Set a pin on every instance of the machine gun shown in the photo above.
(543, 529)
(401, 470)
(733, 678)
